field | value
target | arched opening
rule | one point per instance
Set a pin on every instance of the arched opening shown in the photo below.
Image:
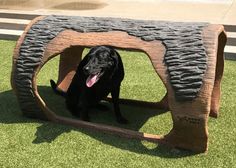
(140, 83)
(69, 43)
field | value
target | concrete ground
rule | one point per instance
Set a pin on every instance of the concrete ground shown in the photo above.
(213, 11)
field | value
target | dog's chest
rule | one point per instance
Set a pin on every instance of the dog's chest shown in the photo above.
(100, 91)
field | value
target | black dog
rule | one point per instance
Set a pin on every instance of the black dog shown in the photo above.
(98, 74)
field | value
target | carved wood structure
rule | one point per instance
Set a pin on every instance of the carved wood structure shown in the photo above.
(188, 57)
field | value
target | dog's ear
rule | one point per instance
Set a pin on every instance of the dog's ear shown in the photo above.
(118, 69)
(115, 57)
(93, 50)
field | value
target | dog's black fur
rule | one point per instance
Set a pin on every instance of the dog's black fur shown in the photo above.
(98, 74)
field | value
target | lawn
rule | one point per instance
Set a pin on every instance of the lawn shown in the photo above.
(28, 142)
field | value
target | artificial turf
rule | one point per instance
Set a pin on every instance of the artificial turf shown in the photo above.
(28, 142)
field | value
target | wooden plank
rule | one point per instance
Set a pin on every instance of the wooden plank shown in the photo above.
(12, 26)
(231, 41)
(230, 28)
(230, 56)
(9, 37)
(18, 16)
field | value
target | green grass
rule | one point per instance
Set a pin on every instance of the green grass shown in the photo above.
(26, 142)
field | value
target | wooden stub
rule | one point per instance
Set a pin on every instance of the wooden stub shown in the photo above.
(70, 56)
(189, 114)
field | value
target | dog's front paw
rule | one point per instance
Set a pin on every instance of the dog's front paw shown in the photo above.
(85, 119)
(85, 116)
(102, 107)
(122, 120)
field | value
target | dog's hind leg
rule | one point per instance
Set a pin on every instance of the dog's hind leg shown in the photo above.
(115, 99)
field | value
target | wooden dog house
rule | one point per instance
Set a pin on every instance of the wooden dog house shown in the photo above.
(188, 57)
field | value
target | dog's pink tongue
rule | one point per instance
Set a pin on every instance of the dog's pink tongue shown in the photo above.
(91, 80)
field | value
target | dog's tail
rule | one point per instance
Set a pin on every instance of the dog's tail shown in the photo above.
(57, 91)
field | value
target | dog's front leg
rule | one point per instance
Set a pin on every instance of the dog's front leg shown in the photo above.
(115, 99)
(84, 113)
(80, 111)
(72, 106)
(84, 105)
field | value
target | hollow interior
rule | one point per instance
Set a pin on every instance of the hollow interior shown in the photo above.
(141, 82)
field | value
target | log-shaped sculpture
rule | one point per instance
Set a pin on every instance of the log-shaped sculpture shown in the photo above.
(188, 57)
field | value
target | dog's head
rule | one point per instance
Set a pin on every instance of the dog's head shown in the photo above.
(101, 64)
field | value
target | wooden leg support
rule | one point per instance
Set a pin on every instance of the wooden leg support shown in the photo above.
(190, 122)
(69, 60)
(215, 98)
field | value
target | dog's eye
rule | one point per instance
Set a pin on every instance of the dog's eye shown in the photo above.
(110, 63)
